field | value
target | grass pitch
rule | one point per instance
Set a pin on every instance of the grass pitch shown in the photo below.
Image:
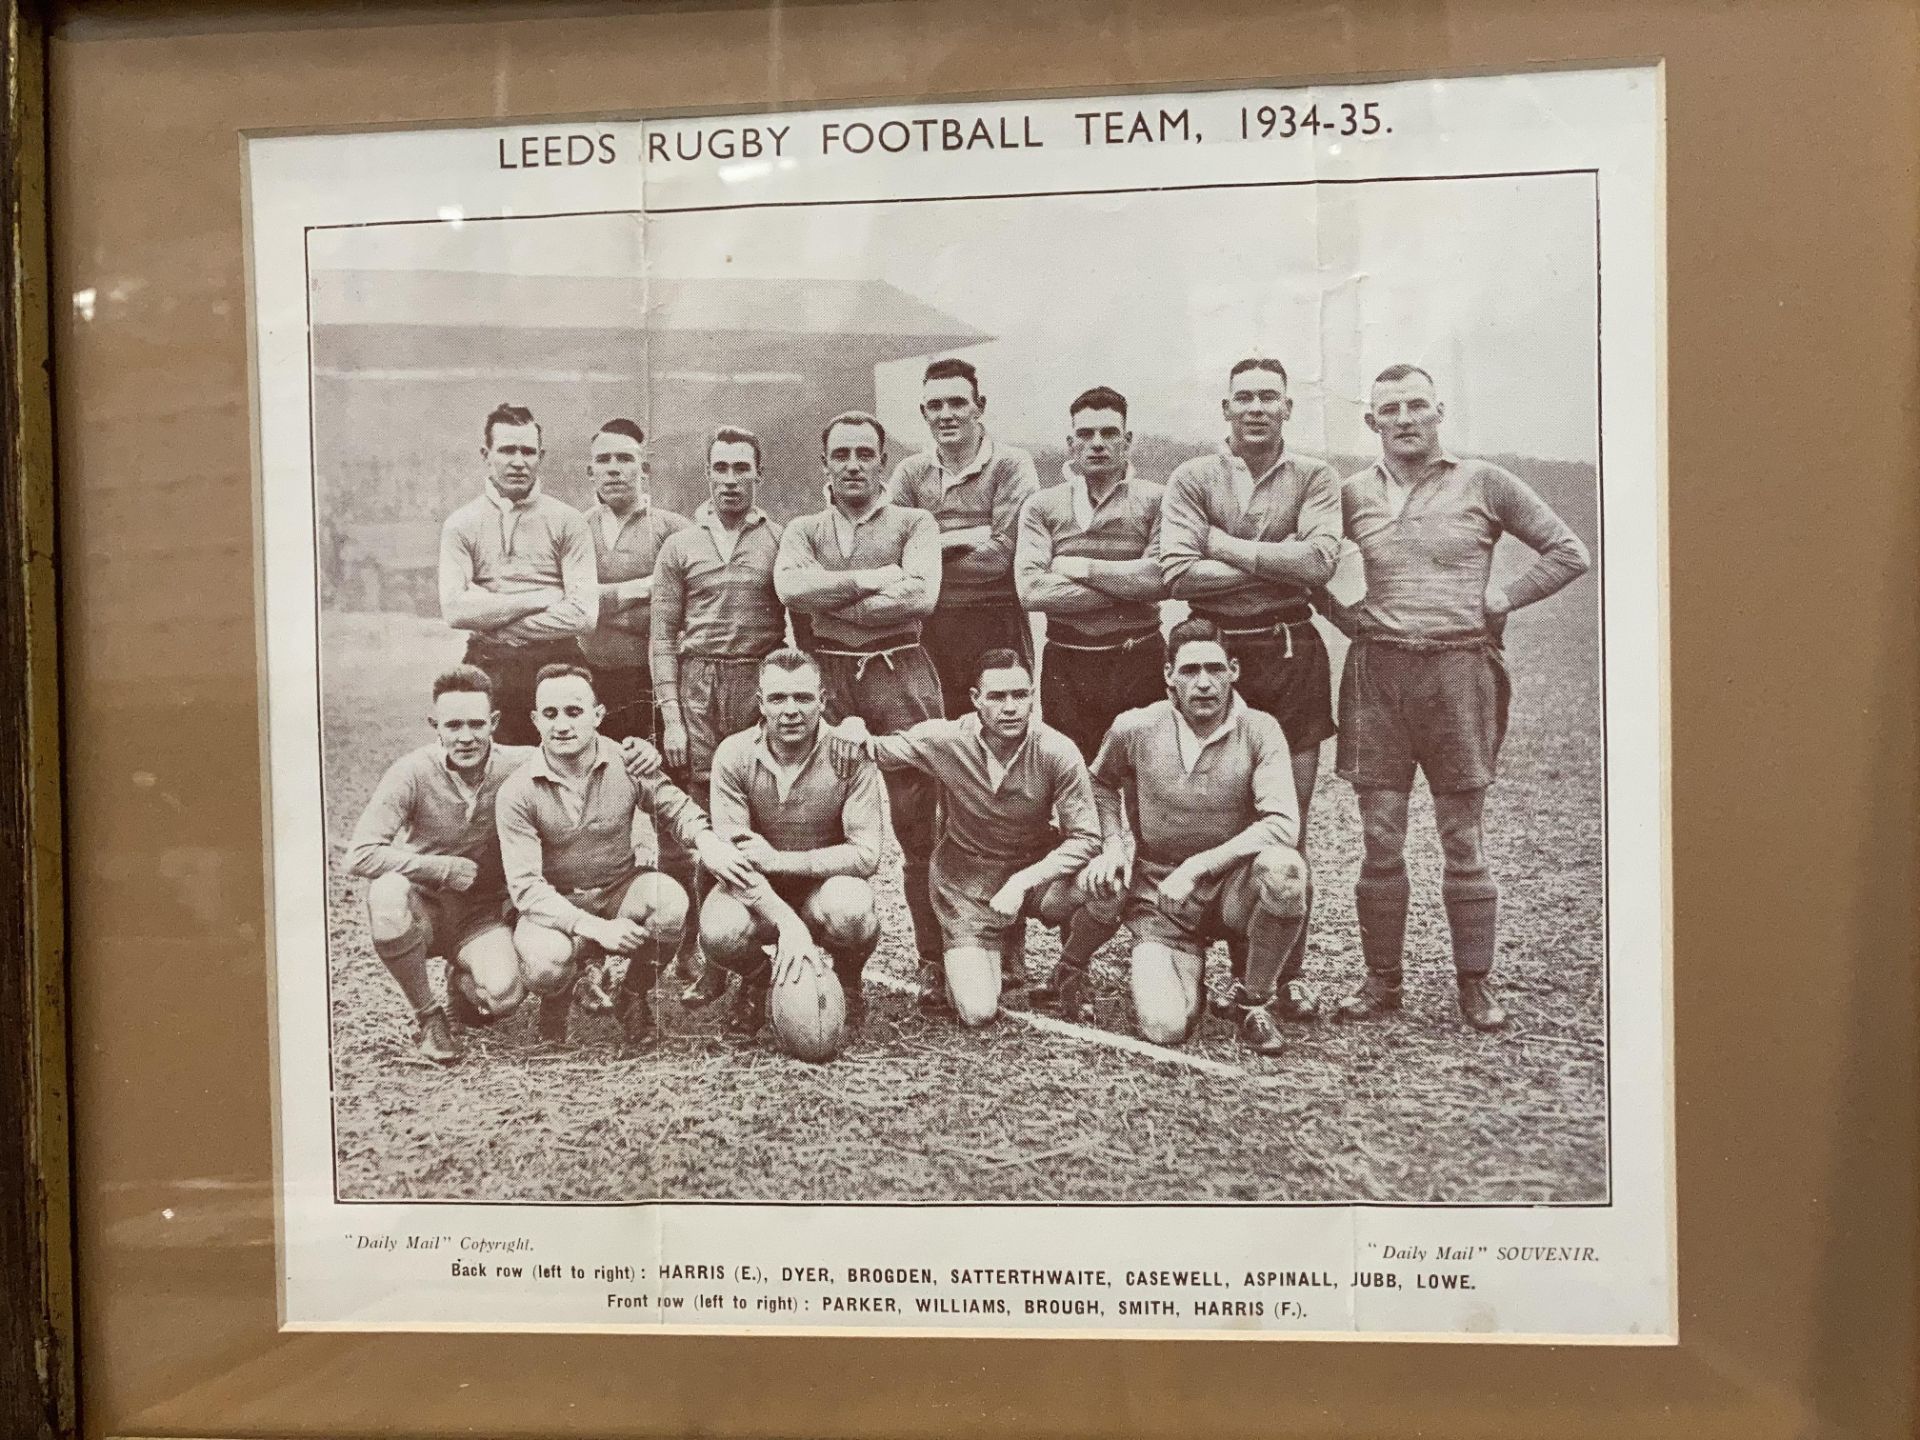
(1416, 1108)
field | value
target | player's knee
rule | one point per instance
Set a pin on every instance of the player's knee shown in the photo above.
(546, 957)
(844, 905)
(1463, 852)
(973, 984)
(1383, 833)
(658, 903)
(392, 909)
(1162, 1007)
(1280, 880)
(726, 932)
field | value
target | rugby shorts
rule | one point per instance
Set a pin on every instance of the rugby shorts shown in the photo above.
(1441, 711)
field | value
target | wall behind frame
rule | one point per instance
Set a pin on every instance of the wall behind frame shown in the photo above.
(1794, 237)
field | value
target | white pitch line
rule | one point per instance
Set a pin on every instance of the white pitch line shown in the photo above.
(1091, 1035)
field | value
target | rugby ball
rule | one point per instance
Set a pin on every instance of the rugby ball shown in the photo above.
(808, 1012)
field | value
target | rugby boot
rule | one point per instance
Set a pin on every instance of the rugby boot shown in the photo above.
(748, 1012)
(591, 994)
(434, 1040)
(930, 985)
(1225, 1002)
(1064, 992)
(1294, 1000)
(632, 1006)
(463, 1011)
(1477, 1005)
(711, 986)
(552, 1023)
(1379, 994)
(1258, 1031)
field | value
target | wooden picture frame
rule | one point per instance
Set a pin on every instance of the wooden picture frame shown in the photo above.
(1794, 233)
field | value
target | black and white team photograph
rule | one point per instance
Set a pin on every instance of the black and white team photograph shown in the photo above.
(1051, 699)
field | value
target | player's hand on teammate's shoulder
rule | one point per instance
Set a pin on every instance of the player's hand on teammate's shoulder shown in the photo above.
(640, 759)
(848, 746)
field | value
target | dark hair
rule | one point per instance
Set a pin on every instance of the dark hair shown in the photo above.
(999, 660)
(560, 670)
(1258, 362)
(1100, 397)
(952, 369)
(463, 680)
(788, 658)
(1192, 631)
(853, 417)
(1401, 372)
(505, 414)
(620, 425)
(734, 435)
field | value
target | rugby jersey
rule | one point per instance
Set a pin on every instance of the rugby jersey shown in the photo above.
(824, 824)
(810, 573)
(1239, 785)
(988, 492)
(537, 544)
(422, 815)
(1427, 569)
(621, 635)
(548, 851)
(1121, 532)
(1009, 816)
(710, 605)
(1283, 524)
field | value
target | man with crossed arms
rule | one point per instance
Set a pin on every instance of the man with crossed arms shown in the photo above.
(1246, 536)
(811, 834)
(566, 843)
(1208, 783)
(1425, 686)
(1005, 778)
(868, 573)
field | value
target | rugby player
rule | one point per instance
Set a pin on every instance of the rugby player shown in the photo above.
(1246, 535)
(1207, 781)
(427, 842)
(974, 487)
(715, 616)
(1088, 558)
(628, 530)
(1425, 686)
(867, 573)
(566, 843)
(517, 572)
(1005, 779)
(812, 836)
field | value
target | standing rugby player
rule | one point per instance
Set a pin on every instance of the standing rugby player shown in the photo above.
(868, 573)
(974, 486)
(427, 842)
(517, 572)
(1425, 686)
(715, 617)
(812, 836)
(628, 530)
(1208, 783)
(1247, 534)
(1005, 780)
(566, 843)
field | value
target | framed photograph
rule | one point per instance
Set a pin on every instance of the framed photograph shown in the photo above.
(809, 691)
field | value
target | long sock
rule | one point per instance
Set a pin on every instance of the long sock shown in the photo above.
(1013, 953)
(1380, 902)
(406, 961)
(1296, 960)
(1473, 905)
(1086, 933)
(1269, 937)
(926, 925)
(849, 961)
